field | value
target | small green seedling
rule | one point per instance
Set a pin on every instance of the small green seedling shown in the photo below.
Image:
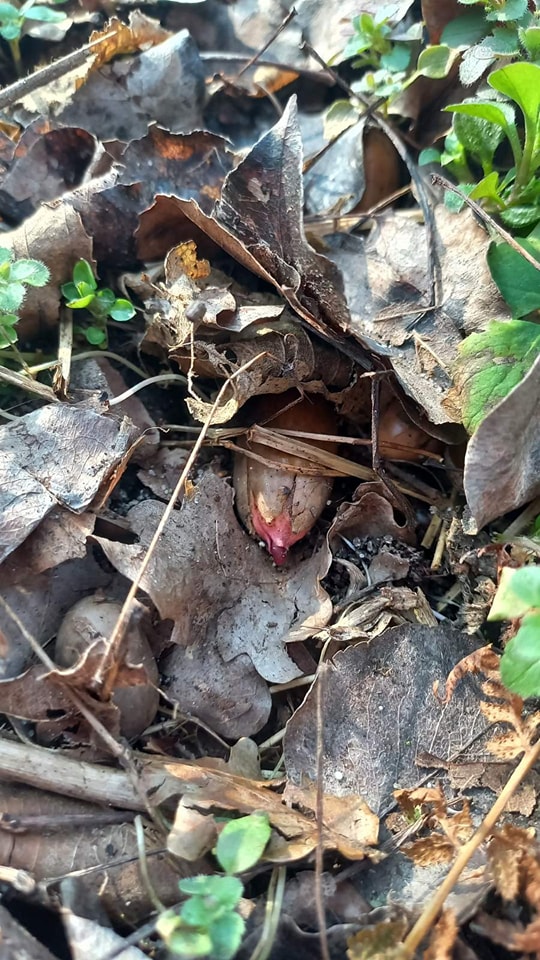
(15, 277)
(518, 598)
(208, 922)
(82, 293)
(14, 20)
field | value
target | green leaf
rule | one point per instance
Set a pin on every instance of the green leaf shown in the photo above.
(429, 155)
(45, 14)
(397, 59)
(8, 335)
(487, 189)
(511, 10)
(520, 82)
(225, 890)
(83, 273)
(520, 662)
(6, 256)
(11, 296)
(530, 39)
(500, 114)
(122, 310)
(241, 843)
(475, 62)
(189, 943)
(226, 934)
(465, 30)
(479, 137)
(435, 62)
(96, 336)
(518, 280)
(32, 272)
(69, 291)
(104, 300)
(199, 911)
(520, 216)
(79, 303)
(339, 117)
(518, 593)
(491, 364)
(11, 31)
(9, 13)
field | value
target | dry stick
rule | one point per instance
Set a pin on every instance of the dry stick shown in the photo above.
(109, 666)
(319, 813)
(49, 73)
(428, 917)
(481, 213)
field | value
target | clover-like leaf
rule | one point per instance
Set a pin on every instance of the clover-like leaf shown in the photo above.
(122, 310)
(241, 843)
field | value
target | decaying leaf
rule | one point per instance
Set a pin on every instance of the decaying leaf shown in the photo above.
(443, 937)
(58, 454)
(502, 465)
(383, 940)
(378, 713)
(231, 628)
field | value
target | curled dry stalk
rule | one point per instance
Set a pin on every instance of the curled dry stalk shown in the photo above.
(505, 745)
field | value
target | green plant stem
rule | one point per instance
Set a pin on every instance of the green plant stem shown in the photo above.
(15, 47)
(274, 901)
(523, 171)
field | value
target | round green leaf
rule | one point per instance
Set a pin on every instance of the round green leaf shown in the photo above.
(11, 31)
(11, 296)
(189, 943)
(226, 934)
(5, 255)
(463, 31)
(520, 663)
(83, 273)
(520, 82)
(95, 335)
(122, 310)
(241, 843)
(339, 117)
(199, 911)
(435, 62)
(516, 278)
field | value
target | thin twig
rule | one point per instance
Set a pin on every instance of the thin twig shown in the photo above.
(481, 213)
(428, 916)
(319, 814)
(53, 71)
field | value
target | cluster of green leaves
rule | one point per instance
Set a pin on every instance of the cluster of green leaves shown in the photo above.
(15, 277)
(14, 19)
(208, 922)
(518, 598)
(82, 293)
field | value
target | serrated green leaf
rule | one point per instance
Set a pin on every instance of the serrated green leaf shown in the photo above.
(6, 256)
(435, 62)
(467, 29)
(511, 10)
(480, 137)
(122, 310)
(32, 272)
(11, 296)
(520, 662)
(520, 216)
(491, 364)
(476, 60)
(83, 273)
(241, 843)
(226, 934)
(518, 592)
(517, 280)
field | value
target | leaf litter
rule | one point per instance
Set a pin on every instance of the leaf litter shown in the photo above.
(330, 660)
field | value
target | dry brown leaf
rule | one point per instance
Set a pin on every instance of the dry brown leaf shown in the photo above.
(230, 627)
(430, 850)
(506, 746)
(480, 661)
(58, 454)
(505, 853)
(380, 942)
(443, 937)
